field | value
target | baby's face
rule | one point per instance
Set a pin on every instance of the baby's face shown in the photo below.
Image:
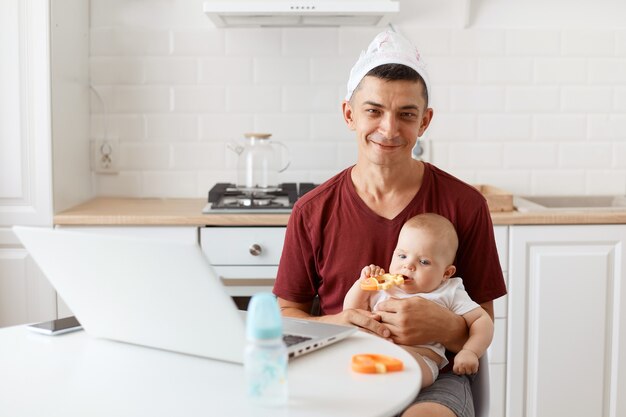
(420, 259)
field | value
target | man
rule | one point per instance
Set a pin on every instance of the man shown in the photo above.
(354, 219)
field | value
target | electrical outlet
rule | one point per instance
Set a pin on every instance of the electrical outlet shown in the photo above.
(422, 150)
(106, 156)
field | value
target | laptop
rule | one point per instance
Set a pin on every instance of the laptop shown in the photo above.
(157, 293)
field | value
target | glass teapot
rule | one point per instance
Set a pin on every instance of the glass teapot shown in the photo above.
(259, 161)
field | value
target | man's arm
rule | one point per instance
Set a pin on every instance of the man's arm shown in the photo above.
(363, 319)
(417, 321)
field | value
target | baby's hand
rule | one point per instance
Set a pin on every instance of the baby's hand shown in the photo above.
(465, 362)
(371, 271)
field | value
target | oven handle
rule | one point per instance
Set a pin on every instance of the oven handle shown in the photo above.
(255, 249)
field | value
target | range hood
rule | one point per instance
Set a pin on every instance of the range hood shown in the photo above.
(227, 13)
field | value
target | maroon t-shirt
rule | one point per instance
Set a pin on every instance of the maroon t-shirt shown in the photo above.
(332, 235)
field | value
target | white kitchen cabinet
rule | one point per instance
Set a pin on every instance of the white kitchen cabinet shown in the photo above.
(44, 95)
(566, 322)
(497, 350)
(245, 258)
(25, 157)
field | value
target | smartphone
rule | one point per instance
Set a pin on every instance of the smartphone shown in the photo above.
(55, 327)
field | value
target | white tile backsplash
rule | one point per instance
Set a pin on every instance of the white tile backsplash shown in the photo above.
(619, 155)
(293, 70)
(560, 70)
(560, 127)
(198, 99)
(594, 99)
(171, 127)
(481, 42)
(607, 127)
(198, 43)
(452, 70)
(129, 42)
(551, 181)
(619, 100)
(124, 127)
(116, 70)
(584, 155)
(530, 155)
(588, 43)
(171, 70)
(476, 155)
(141, 99)
(198, 156)
(532, 99)
(253, 99)
(453, 127)
(607, 71)
(533, 43)
(222, 127)
(310, 98)
(144, 156)
(172, 184)
(253, 42)
(284, 127)
(606, 181)
(620, 43)
(124, 184)
(505, 70)
(221, 71)
(538, 110)
(504, 127)
(477, 98)
(310, 42)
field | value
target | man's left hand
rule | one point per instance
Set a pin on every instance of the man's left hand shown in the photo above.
(417, 321)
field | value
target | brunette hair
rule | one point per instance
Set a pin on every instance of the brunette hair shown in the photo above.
(398, 72)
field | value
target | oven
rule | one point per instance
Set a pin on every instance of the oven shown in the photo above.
(246, 257)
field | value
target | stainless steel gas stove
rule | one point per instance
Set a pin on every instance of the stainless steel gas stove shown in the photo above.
(229, 198)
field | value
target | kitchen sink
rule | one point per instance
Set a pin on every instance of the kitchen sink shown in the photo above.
(570, 203)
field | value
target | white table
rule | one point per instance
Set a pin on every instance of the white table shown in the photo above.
(77, 375)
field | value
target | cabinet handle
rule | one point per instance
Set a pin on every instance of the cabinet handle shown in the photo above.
(255, 250)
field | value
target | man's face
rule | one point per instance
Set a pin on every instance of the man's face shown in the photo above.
(388, 117)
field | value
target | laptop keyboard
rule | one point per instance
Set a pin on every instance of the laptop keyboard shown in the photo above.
(292, 339)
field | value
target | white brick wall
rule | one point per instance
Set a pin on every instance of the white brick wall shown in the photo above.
(533, 110)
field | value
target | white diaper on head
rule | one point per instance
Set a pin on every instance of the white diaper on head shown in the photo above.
(387, 48)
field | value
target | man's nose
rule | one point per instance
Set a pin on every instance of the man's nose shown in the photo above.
(389, 126)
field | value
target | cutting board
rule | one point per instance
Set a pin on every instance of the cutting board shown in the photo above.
(497, 199)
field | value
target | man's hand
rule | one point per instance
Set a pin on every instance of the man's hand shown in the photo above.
(417, 321)
(363, 319)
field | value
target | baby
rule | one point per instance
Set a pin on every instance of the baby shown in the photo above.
(424, 255)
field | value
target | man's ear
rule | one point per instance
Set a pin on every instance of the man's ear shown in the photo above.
(449, 272)
(425, 122)
(348, 114)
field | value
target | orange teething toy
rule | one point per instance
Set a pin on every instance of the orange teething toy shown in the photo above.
(382, 282)
(372, 363)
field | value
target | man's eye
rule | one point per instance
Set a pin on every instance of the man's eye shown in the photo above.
(409, 116)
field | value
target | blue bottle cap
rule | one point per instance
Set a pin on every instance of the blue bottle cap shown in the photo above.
(264, 320)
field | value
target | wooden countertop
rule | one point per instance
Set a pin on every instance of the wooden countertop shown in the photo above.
(112, 211)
